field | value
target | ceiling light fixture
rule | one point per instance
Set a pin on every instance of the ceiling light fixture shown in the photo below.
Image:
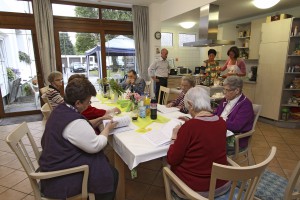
(187, 25)
(264, 4)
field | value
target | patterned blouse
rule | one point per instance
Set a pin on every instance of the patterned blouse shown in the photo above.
(180, 102)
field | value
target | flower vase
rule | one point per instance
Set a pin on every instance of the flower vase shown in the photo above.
(134, 111)
(116, 97)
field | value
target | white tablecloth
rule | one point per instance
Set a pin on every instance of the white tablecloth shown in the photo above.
(132, 147)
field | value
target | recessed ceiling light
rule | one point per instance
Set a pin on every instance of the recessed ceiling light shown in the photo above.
(187, 25)
(264, 4)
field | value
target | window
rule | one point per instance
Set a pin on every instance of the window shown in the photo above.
(113, 14)
(167, 39)
(16, 6)
(183, 38)
(75, 11)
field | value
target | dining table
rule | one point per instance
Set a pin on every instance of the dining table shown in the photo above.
(130, 147)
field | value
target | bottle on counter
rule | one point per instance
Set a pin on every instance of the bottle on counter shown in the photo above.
(142, 110)
(147, 105)
(153, 109)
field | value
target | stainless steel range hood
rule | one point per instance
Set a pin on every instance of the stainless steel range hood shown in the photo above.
(208, 28)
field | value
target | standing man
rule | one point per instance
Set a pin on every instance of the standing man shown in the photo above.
(134, 83)
(159, 71)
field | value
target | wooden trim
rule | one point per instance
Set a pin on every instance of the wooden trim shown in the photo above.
(16, 20)
(103, 54)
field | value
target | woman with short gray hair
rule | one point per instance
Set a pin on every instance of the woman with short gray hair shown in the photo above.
(198, 143)
(236, 109)
(187, 82)
(53, 94)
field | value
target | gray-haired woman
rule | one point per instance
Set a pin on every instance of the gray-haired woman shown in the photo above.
(53, 94)
(198, 143)
(187, 82)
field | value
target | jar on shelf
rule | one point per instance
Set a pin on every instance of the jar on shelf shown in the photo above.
(285, 114)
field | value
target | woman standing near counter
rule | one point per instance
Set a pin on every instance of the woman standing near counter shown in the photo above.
(211, 63)
(234, 64)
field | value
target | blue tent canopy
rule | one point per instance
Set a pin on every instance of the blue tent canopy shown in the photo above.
(110, 51)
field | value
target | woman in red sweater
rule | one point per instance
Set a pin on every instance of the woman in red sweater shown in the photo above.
(197, 144)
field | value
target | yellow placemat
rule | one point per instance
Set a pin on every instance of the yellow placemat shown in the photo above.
(142, 123)
(121, 104)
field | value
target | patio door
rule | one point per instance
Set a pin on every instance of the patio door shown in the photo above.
(18, 73)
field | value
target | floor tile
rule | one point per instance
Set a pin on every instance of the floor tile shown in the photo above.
(260, 151)
(287, 163)
(159, 181)
(277, 139)
(153, 164)
(286, 155)
(12, 195)
(13, 179)
(277, 170)
(280, 146)
(3, 189)
(271, 133)
(146, 175)
(29, 197)
(24, 186)
(4, 171)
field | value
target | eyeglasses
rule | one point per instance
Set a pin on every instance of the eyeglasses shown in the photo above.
(228, 90)
(58, 79)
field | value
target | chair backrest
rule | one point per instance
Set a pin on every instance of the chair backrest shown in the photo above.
(246, 177)
(257, 109)
(21, 142)
(46, 101)
(46, 111)
(43, 90)
(163, 95)
(293, 188)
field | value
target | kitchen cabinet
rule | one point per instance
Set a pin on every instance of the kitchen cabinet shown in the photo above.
(249, 90)
(255, 38)
(271, 66)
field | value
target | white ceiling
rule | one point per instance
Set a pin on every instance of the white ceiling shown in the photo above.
(232, 10)
(229, 10)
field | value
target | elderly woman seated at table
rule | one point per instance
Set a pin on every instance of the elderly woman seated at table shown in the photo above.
(187, 82)
(236, 109)
(53, 94)
(64, 147)
(197, 144)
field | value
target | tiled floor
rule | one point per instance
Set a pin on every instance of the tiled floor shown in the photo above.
(14, 184)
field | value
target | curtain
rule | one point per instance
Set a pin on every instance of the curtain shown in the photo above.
(141, 39)
(42, 10)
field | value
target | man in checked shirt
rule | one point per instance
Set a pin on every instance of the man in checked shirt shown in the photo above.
(187, 82)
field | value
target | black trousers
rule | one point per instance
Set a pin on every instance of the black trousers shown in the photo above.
(110, 195)
(163, 81)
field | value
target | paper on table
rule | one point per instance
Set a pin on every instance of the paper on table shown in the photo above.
(163, 135)
(124, 124)
(164, 109)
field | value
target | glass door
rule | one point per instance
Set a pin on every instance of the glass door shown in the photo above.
(18, 74)
(75, 48)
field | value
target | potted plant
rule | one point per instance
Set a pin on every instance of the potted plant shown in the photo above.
(116, 89)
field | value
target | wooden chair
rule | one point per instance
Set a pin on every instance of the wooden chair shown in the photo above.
(46, 101)
(273, 186)
(163, 95)
(246, 177)
(43, 90)
(22, 143)
(246, 152)
(46, 111)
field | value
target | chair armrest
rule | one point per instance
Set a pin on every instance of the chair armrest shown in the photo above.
(186, 190)
(53, 174)
(240, 136)
(232, 163)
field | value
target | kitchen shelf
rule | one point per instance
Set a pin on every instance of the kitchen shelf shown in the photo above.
(247, 37)
(293, 55)
(289, 105)
(292, 73)
(288, 89)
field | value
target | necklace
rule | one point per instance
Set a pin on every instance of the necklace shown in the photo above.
(204, 114)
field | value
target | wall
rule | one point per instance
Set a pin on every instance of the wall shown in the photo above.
(186, 56)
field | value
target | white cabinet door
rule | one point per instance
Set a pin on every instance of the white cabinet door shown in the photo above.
(270, 75)
(277, 31)
(255, 38)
